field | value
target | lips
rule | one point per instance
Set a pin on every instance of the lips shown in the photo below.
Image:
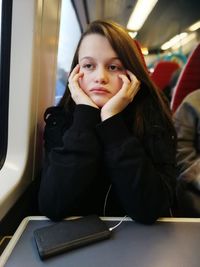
(100, 90)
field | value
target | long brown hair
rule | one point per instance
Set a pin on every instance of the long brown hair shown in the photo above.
(132, 60)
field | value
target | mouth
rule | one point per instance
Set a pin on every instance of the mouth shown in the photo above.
(100, 90)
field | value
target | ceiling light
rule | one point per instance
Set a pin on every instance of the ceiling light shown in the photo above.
(140, 13)
(132, 34)
(176, 39)
(184, 41)
(194, 26)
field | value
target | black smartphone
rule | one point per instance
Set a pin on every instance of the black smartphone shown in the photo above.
(70, 234)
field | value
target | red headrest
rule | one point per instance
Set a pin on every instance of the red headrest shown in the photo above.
(163, 72)
(189, 79)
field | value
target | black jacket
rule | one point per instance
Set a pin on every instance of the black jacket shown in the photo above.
(104, 168)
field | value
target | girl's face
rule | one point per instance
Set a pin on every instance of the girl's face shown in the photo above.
(101, 68)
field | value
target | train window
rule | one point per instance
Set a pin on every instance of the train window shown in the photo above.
(5, 43)
(68, 39)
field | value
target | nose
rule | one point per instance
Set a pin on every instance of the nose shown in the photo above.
(101, 75)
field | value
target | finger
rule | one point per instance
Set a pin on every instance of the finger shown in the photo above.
(74, 81)
(126, 82)
(134, 81)
(74, 72)
(131, 76)
(135, 89)
(77, 76)
(124, 78)
(75, 69)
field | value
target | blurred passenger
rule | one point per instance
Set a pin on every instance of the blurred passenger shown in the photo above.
(187, 123)
(110, 143)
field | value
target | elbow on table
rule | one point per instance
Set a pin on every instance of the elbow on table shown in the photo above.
(148, 220)
(145, 215)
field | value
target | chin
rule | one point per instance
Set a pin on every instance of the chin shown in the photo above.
(100, 102)
(99, 99)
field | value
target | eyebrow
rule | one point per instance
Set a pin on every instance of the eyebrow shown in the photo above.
(110, 59)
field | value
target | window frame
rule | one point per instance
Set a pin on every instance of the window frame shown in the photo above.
(6, 25)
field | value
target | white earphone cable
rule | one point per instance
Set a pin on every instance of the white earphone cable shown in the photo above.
(112, 228)
(105, 202)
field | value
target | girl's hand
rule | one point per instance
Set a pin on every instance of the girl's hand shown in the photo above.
(77, 94)
(125, 95)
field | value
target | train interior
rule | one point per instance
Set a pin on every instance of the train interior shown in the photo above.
(38, 38)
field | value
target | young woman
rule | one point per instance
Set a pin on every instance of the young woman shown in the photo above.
(110, 143)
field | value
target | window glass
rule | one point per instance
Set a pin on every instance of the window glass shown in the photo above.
(0, 16)
(68, 39)
(5, 41)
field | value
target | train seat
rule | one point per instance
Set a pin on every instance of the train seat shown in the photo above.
(189, 79)
(163, 72)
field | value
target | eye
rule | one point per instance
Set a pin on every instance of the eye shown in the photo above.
(113, 67)
(88, 66)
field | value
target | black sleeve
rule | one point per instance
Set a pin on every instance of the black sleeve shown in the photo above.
(70, 168)
(142, 177)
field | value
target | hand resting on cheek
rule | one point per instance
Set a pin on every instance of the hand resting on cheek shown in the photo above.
(77, 94)
(124, 96)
